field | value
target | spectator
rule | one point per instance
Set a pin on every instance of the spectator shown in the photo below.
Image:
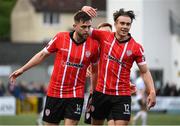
(2, 88)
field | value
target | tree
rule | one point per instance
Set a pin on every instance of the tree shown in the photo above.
(6, 7)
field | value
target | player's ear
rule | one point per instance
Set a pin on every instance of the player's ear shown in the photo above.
(74, 25)
(115, 24)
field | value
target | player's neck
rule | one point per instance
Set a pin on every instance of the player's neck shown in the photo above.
(77, 38)
(120, 37)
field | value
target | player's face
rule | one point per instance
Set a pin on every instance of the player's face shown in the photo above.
(123, 25)
(83, 28)
(105, 28)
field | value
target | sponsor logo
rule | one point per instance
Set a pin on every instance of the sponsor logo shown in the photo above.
(116, 60)
(129, 52)
(47, 112)
(143, 58)
(74, 65)
(78, 109)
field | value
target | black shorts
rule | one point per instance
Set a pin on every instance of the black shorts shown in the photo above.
(87, 116)
(56, 109)
(111, 107)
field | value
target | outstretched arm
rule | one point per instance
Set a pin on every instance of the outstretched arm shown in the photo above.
(147, 78)
(35, 60)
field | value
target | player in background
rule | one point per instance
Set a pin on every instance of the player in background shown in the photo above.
(93, 81)
(75, 51)
(141, 99)
(112, 96)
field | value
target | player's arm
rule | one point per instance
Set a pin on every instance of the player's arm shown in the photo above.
(94, 77)
(147, 78)
(35, 60)
(133, 88)
(94, 33)
(90, 11)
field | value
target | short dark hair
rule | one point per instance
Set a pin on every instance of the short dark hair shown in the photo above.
(105, 24)
(81, 16)
(121, 12)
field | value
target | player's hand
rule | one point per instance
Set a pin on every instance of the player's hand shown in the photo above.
(133, 88)
(88, 72)
(90, 11)
(14, 75)
(151, 100)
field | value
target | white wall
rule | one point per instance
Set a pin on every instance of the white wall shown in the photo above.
(157, 38)
(175, 54)
(137, 6)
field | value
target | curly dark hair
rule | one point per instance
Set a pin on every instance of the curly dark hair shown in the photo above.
(121, 12)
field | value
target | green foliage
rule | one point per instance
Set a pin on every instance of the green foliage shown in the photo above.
(153, 119)
(6, 7)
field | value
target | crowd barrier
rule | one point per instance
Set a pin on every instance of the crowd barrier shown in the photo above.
(9, 105)
(163, 104)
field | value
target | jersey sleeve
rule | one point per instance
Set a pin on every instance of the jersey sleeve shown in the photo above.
(98, 34)
(51, 47)
(140, 57)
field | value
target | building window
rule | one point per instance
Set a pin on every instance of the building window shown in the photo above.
(51, 18)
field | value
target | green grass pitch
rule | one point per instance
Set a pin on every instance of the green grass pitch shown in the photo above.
(153, 119)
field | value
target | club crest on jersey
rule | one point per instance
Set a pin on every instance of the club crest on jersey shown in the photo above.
(88, 53)
(87, 115)
(129, 52)
(47, 112)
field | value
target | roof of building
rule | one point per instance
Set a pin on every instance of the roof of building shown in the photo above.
(66, 6)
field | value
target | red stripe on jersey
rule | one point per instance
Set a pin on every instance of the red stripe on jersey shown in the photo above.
(71, 62)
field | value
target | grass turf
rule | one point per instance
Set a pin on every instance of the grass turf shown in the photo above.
(30, 119)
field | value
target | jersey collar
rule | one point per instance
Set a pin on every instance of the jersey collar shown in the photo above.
(71, 36)
(124, 41)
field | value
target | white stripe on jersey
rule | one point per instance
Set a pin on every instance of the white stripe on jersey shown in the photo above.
(107, 64)
(64, 74)
(141, 51)
(82, 57)
(119, 71)
(46, 51)
(142, 63)
(52, 40)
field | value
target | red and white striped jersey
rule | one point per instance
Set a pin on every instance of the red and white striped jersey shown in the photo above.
(116, 60)
(71, 62)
